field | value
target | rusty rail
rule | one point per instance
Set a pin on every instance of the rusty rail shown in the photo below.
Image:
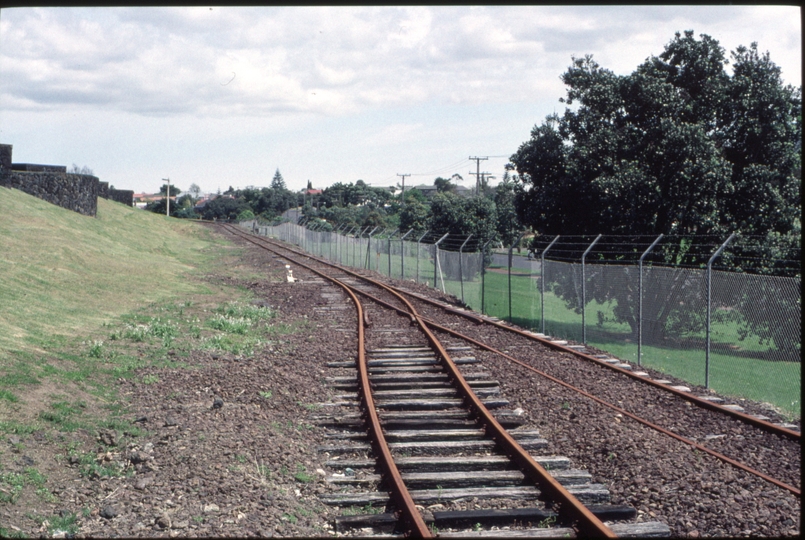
(570, 508)
(399, 493)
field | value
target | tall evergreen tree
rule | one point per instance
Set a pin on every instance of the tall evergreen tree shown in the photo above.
(277, 182)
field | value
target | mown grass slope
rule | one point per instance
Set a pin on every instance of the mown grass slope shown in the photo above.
(63, 274)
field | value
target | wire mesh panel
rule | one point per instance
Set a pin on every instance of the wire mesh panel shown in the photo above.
(562, 299)
(674, 317)
(425, 264)
(611, 311)
(496, 291)
(449, 273)
(471, 272)
(524, 294)
(755, 337)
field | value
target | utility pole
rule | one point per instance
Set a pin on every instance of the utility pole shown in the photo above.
(168, 197)
(477, 172)
(484, 177)
(403, 187)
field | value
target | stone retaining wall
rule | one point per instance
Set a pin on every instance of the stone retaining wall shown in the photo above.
(76, 192)
(52, 183)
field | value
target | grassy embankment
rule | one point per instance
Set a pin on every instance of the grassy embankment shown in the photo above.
(84, 300)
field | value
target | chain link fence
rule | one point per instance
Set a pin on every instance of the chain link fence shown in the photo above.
(744, 342)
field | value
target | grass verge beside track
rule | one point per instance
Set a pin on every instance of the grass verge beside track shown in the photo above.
(65, 279)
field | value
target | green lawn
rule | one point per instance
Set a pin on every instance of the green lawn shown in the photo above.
(775, 382)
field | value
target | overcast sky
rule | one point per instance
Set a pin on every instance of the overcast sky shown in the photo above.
(225, 96)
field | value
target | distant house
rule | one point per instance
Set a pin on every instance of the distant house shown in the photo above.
(142, 199)
(202, 202)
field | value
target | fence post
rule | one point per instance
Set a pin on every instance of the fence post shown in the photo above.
(436, 262)
(461, 266)
(584, 292)
(709, 288)
(640, 301)
(345, 246)
(402, 256)
(483, 276)
(542, 284)
(356, 246)
(417, 253)
(368, 265)
(392, 234)
(342, 239)
(511, 252)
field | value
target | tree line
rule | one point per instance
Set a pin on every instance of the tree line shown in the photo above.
(678, 147)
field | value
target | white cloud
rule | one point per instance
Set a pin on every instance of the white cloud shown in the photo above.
(287, 83)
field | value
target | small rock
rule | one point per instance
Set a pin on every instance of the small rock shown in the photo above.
(140, 419)
(349, 472)
(217, 403)
(138, 457)
(170, 421)
(108, 437)
(108, 512)
(28, 461)
(181, 524)
(14, 439)
(141, 483)
(164, 521)
(209, 508)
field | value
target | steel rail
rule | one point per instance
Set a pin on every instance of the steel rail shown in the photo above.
(399, 491)
(701, 402)
(697, 446)
(792, 489)
(570, 508)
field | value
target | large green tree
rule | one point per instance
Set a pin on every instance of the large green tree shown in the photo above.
(459, 216)
(678, 147)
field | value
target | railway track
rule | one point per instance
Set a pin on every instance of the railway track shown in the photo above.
(399, 370)
(435, 440)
